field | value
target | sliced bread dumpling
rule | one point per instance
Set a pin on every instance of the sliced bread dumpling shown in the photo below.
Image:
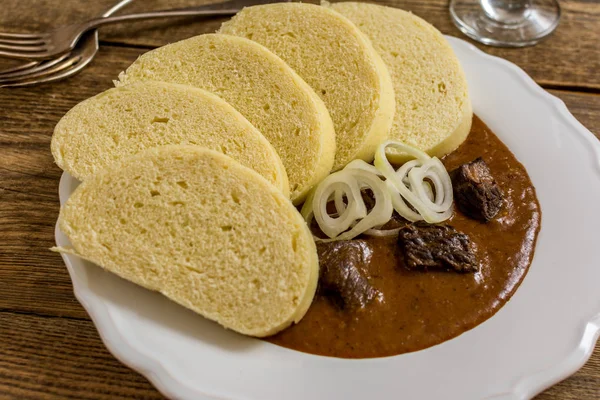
(126, 120)
(202, 229)
(433, 109)
(331, 54)
(261, 87)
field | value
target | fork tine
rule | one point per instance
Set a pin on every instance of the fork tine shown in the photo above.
(40, 55)
(21, 36)
(40, 74)
(23, 83)
(21, 48)
(21, 67)
(49, 78)
(21, 41)
(37, 66)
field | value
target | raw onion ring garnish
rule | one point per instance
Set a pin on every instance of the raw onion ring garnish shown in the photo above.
(419, 190)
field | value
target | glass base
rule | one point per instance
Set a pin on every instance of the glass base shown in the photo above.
(506, 23)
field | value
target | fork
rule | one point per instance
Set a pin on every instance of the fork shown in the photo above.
(64, 39)
(61, 67)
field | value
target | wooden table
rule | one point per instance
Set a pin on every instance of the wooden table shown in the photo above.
(49, 348)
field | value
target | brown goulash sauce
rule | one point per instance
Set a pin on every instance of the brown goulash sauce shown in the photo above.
(421, 309)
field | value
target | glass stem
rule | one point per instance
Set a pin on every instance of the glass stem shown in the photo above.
(507, 12)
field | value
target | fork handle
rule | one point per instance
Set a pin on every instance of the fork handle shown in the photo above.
(200, 11)
(115, 8)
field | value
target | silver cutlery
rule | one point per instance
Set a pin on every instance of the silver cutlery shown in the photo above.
(64, 39)
(65, 65)
(62, 67)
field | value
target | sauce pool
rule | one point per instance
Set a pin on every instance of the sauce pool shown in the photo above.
(421, 309)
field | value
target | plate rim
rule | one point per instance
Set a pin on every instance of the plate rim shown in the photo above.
(525, 387)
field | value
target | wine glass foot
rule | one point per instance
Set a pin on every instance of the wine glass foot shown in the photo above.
(506, 23)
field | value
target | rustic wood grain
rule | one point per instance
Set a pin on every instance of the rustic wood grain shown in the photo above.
(584, 385)
(569, 58)
(60, 358)
(584, 106)
(34, 279)
(49, 348)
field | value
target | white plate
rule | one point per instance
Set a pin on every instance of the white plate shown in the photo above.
(545, 333)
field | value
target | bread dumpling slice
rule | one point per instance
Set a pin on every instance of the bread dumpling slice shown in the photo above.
(433, 109)
(261, 87)
(200, 228)
(123, 121)
(331, 54)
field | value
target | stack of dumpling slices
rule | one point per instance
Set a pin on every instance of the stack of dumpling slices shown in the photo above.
(193, 165)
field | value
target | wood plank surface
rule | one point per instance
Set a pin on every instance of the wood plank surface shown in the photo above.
(49, 349)
(29, 186)
(569, 58)
(47, 353)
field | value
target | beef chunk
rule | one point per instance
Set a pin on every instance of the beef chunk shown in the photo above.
(427, 246)
(476, 192)
(341, 277)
